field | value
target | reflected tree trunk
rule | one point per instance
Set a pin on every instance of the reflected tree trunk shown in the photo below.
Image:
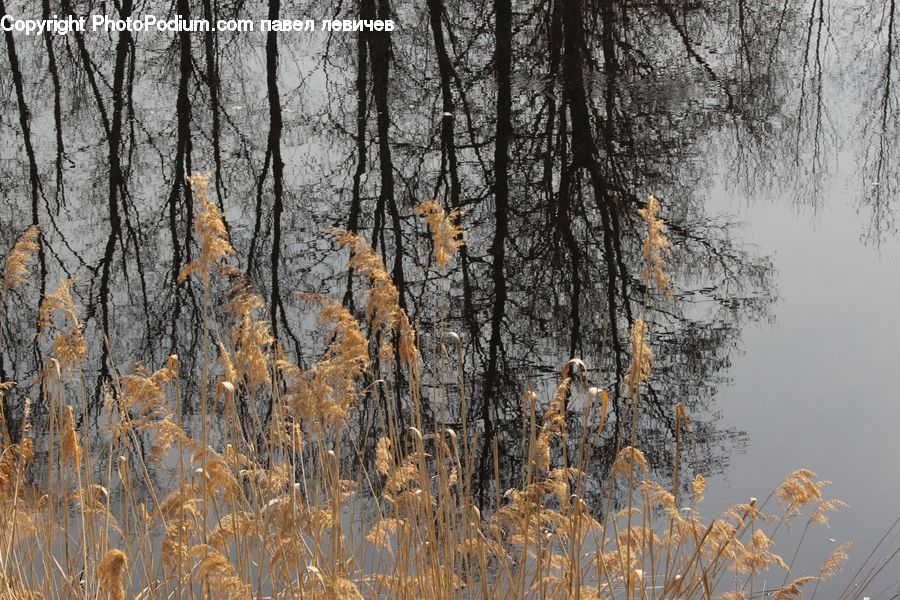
(57, 109)
(450, 160)
(35, 182)
(362, 105)
(212, 81)
(274, 145)
(584, 156)
(116, 180)
(503, 70)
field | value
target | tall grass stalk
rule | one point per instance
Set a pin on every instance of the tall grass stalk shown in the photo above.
(294, 505)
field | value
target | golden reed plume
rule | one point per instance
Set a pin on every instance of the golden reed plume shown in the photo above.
(656, 247)
(446, 234)
(15, 268)
(111, 574)
(210, 229)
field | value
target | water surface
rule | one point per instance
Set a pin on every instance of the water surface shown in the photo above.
(547, 124)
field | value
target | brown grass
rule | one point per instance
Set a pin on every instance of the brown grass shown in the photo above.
(281, 512)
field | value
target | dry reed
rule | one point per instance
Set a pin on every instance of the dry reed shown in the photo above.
(270, 509)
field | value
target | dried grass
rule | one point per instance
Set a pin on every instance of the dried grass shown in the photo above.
(15, 267)
(275, 510)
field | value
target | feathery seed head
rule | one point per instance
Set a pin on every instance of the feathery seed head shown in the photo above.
(15, 268)
(792, 590)
(697, 488)
(384, 460)
(446, 234)
(656, 247)
(111, 574)
(383, 302)
(641, 358)
(71, 449)
(834, 562)
(628, 459)
(799, 489)
(69, 346)
(210, 229)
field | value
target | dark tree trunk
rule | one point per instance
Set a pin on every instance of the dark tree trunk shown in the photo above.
(503, 68)
(449, 159)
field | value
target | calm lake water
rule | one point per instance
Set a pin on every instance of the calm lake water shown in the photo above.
(769, 132)
(817, 388)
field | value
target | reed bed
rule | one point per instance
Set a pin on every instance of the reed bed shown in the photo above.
(289, 505)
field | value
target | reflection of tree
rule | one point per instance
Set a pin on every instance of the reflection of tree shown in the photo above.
(554, 250)
(811, 117)
(24, 117)
(545, 122)
(493, 386)
(600, 140)
(809, 138)
(14, 334)
(880, 160)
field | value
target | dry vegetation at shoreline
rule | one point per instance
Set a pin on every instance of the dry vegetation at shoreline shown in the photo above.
(276, 513)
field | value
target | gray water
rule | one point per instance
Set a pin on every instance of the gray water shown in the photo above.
(784, 333)
(817, 389)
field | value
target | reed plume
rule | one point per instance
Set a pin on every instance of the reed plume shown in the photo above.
(835, 561)
(71, 448)
(792, 590)
(210, 229)
(383, 308)
(641, 359)
(15, 268)
(111, 574)
(264, 512)
(327, 391)
(656, 248)
(446, 233)
(251, 337)
(69, 346)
